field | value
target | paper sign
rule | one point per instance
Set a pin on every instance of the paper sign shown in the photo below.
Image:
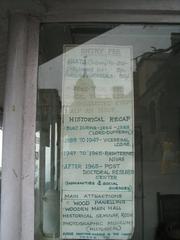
(97, 166)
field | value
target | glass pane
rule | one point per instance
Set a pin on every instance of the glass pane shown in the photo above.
(92, 77)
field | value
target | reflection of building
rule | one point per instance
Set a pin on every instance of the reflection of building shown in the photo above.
(158, 113)
(159, 96)
(86, 100)
(86, 89)
(160, 100)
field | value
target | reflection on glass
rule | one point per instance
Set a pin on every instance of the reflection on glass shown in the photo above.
(47, 164)
(77, 73)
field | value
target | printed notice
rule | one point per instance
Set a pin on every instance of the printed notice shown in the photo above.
(97, 141)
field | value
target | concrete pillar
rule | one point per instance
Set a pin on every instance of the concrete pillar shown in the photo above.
(17, 200)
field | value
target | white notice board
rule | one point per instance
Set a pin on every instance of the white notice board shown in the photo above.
(97, 143)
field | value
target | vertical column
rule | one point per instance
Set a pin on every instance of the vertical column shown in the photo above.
(29, 127)
(19, 124)
(13, 124)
